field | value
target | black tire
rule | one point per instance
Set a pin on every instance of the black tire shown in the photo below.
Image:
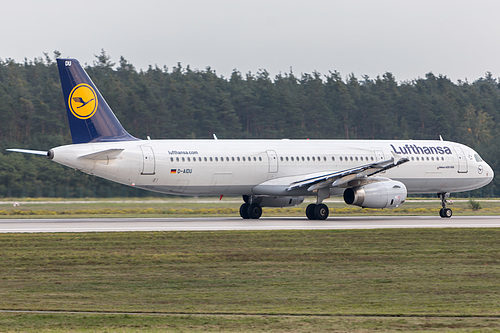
(310, 212)
(321, 212)
(254, 211)
(244, 211)
(445, 213)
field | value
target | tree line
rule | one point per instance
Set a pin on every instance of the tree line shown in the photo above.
(180, 102)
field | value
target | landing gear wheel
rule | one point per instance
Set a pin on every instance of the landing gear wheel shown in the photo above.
(244, 211)
(445, 212)
(321, 212)
(310, 212)
(254, 211)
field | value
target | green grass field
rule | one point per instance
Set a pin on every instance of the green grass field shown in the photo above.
(181, 207)
(308, 281)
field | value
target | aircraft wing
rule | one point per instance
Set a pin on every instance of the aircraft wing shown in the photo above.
(339, 178)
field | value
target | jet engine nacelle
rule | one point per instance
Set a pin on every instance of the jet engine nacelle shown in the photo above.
(383, 194)
(279, 201)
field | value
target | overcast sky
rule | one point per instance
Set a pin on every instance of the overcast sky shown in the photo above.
(456, 38)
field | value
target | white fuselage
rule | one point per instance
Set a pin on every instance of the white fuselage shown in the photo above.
(268, 167)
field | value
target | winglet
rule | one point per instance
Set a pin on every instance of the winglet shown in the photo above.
(396, 157)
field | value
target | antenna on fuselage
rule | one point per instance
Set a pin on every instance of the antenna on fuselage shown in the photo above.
(441, 138)
(215, 137)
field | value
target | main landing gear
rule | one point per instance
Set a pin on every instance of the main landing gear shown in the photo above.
(319, 211)
(250, 210)
(444, 212)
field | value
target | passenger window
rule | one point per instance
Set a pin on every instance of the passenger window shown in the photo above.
(171, 159)
(177, 159)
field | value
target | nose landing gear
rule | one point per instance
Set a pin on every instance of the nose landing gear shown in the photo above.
(444, 212)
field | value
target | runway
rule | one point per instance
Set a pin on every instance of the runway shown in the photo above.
(234, 223)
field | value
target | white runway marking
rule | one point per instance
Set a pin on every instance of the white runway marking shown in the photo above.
(233, 223)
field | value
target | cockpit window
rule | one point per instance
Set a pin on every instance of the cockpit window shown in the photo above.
(478, 158)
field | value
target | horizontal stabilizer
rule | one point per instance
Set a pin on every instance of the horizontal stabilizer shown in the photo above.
(27, 151)
(107, 154)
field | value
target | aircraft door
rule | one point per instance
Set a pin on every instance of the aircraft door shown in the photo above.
(462, 161)
(148, 161)
(379, 155)
(273, 161)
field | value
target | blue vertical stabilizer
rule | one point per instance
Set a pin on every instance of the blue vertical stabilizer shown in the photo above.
(90, 118)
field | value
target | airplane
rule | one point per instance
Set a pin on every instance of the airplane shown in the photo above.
(266, 173)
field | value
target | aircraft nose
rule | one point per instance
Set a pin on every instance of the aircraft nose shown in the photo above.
(489, 173)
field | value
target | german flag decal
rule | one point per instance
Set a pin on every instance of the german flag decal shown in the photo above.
(173, 170)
